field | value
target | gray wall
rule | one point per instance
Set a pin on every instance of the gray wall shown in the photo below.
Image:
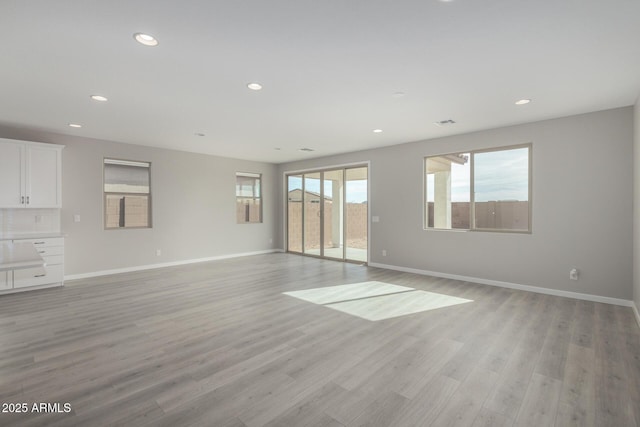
(193, 203)
(636, 205)
(582, 207)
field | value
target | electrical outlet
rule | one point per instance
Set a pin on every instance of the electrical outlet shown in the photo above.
(158, 252)
(384, 252)
(573, 274)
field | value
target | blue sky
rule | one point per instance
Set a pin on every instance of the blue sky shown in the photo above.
(499, 175)
(502, 175)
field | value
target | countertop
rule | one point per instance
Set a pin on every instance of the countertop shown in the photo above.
(23, 236)
(16, 256)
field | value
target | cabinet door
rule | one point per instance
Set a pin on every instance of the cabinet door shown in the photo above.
(5, 283)
(43, 178)
(11, 175)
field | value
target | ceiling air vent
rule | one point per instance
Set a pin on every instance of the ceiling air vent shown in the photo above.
(307, 149)
(444, 122)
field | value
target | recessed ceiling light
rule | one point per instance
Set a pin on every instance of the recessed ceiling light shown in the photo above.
(254, 86)
(145, 39)
(98, 98)
(398, 94)
(377, 131)
(74, 125)
(523, 101)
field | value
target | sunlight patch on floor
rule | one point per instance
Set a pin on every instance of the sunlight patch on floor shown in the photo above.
(347, 292)
(376, 300)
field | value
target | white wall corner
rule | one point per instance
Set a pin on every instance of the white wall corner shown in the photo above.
(636, 208)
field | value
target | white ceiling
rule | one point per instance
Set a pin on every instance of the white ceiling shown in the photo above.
(329, 68)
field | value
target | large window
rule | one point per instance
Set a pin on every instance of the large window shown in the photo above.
(248, 198)
(479, 190)
(127, 194)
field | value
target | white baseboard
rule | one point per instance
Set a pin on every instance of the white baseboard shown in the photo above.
(635, 310)
(162, 265)
(529, 288)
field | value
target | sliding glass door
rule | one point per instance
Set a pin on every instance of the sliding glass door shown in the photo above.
(294, 213)
(327, 213)
(356, 214)
(311, 214)
(333, 212)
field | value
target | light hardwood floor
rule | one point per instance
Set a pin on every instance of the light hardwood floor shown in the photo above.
(218, 344)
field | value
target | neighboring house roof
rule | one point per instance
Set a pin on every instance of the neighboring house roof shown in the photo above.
(296, 194)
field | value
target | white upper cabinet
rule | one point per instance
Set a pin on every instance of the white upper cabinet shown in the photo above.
(30, 174)
(11, 176)
(43, 183)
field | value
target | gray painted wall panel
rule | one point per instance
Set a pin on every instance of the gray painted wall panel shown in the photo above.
(582, 207)
(193, 206)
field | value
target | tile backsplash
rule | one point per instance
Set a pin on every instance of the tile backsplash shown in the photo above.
(23, 221)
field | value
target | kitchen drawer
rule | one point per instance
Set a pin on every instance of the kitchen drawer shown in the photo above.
(38, 276)
(45, 251)
(45, 242)
(53, 259)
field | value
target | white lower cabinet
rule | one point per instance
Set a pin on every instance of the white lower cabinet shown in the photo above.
(48, 275)
(52, 274)
(5, 283)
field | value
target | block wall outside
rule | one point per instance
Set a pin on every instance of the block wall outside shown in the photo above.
(357, 220)
(505, 215)
(136, 211)
(253, 208)
(112, 212)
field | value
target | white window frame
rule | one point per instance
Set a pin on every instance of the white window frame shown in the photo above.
(472, 203)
